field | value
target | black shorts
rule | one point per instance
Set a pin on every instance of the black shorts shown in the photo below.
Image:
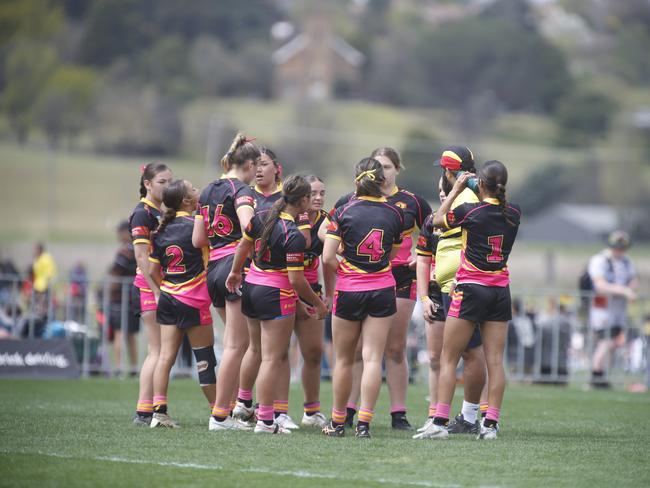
(172, 311)
(435, 295)
(609, 332)
(316, 288)
(357, 305)
(267, 302)
(132, 321)
(478, 303)
(218, 272)
(404, 282)
(475, 340)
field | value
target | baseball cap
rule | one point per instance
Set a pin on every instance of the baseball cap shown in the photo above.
(456, 158)
(619, 240)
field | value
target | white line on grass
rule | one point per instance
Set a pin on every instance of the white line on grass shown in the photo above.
(216, 467)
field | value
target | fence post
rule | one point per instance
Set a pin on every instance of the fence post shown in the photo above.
(124, 325)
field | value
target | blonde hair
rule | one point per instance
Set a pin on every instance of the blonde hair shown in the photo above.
(241, 150)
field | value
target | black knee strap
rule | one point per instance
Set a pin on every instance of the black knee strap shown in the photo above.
(205, 364)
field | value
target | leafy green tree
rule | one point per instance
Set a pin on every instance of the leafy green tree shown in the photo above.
(64, 106)
(630, 57)
(28, 68)
(583, 116)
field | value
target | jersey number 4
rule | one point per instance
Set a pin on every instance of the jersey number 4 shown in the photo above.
(371, 245)
(221, 225)
(175, 254)
(496, 245)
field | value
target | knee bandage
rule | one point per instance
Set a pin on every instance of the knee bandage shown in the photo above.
(205, 364)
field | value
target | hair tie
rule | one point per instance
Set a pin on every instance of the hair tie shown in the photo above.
(143, 168)
(370, 174)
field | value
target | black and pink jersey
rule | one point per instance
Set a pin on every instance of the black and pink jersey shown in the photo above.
(182, 265)
(143, 221)
(285, 251)
(368, 227)
(415, 210)
(313, 253)
(428, 243)
(264, 201)
(487, 240)
(218, 204)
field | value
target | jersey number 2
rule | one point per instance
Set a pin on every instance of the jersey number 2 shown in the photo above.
(371, 245)
(496, 244)
(176, 257)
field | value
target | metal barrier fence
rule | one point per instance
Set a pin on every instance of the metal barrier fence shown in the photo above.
(549, 338)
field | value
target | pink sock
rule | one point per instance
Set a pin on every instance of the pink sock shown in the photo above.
(397, 408)
(245, 394)
(442, 410)
(493, 414)
(351, 405)
(265, 413)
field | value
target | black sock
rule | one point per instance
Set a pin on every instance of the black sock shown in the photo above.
(360, 423)
(489, 423)
(144, 414)
(440, 421)
(351, 412)
(247, 403)
(276, 414)
(268, 422)
(336, 424)
(160, 409)
(399, 413)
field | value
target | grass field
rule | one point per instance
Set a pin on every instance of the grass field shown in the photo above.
(78, 433)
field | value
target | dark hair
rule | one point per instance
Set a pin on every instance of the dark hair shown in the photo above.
(391, 154)
(149, 172)
(311, 178)
(369, 176)
(173, 196)
(495, 177)
(274, 160)
(241, 150)
(294, 188)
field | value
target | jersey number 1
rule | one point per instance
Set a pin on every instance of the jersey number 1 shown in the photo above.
(371, 245)
(496, 244)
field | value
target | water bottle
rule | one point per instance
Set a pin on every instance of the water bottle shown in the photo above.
(472, 183)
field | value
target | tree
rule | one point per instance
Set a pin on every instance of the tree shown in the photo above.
(549, 183)
(630, 57)
(583, 116)
(63, 108)
(27, 70)
(419, 150)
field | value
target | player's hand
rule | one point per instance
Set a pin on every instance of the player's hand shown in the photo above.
(429, 309)
(461, 181)
(321, 310)
(302, 311)
(233, 282)
(328, 303)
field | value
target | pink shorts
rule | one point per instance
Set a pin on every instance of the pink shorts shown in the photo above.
(147, 300)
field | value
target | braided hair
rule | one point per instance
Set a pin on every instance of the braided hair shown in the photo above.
(495, 176)
(241, 150)
(294, 188)
(173, 196)
(369, 177)
(149, 172)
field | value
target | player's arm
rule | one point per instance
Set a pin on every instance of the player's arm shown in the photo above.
(155, 276)
(141, 251)
(322, 230)
(305, 292)
(199, 232)
(244, 248)
(439, 218)
(330, 264)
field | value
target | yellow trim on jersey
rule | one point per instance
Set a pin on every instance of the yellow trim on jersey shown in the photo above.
(372, 199)
(295, 268)
(182, 213)
(176, 288)
(491, 200)
(286, 216)
(247, 237)
(419, 252)
(332, 236)
(198, 216)
(142, 241)
(150, 203)
(394, 191)
(466, 196)
(347, 264)
(154, 260)
(278, 188)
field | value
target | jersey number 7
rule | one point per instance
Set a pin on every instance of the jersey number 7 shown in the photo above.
(371, 245)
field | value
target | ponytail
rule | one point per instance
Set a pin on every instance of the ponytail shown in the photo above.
(241, 150)
(294, 188)
(149, 172)
(173, 196)
(495, 176)
(369, 178)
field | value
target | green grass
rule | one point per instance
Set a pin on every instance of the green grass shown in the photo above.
(78, 433)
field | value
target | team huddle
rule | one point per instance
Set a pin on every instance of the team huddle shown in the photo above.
(273, 263)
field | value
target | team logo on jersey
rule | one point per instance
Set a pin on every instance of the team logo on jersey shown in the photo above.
(140, 231)
(334, 227)
(245, 200)
(451, 218)
(422, 241)
(401, 205)
(295, 257)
